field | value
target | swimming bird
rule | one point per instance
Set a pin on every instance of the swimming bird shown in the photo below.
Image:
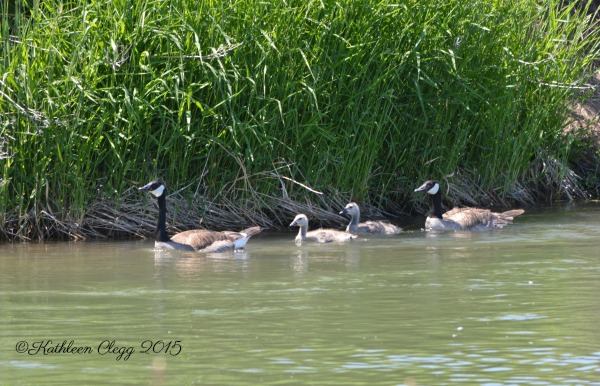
(197, 240)
(462, 218)
(319, 235)
(375, 227)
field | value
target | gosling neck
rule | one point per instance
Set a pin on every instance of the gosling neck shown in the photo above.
(302, 232)
(355, 219)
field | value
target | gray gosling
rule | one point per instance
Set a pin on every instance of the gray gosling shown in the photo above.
(462, 218)
(374, 227)
(197, 240)
(319, 235)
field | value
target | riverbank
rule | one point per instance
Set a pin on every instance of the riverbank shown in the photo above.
(586, 126)
(133, 214)
(256, 110)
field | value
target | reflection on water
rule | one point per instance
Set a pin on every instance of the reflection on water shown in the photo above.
(515, 306)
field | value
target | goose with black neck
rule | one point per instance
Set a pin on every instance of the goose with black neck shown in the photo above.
(196, 240)
(462, 219)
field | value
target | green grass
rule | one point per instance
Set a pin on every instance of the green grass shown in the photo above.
(245, 101)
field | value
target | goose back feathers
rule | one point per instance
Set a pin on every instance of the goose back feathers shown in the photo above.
(319, 235)
(374, 227)
(462, 218)
(197, 240)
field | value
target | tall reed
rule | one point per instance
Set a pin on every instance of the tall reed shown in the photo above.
(249, 101)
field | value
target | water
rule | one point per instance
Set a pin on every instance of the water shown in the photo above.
(518, 306)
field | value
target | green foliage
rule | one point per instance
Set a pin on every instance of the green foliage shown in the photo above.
(362, 97)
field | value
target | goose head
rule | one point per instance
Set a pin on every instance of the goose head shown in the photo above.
(431, 187)
(300, 221)
(156, 188)
(351, 209)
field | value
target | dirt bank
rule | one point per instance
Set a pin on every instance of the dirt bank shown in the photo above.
(586, 125)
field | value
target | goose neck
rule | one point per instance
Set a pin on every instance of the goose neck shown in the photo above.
(161, 225)
(436, 205)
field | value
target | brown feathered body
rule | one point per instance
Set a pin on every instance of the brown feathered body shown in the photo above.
(471, 219)
(197, 240)
(201, 240)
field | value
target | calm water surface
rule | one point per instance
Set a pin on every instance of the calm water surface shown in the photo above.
(518, 306)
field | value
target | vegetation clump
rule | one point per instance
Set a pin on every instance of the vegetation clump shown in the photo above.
(253, 111)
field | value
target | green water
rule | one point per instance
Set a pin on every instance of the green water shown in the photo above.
(518, 306)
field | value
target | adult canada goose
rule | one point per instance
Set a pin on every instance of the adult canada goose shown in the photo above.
(197, 240)
(462, 218)
(376, 227)
(319, 235)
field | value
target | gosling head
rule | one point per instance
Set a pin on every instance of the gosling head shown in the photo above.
(156, 188)
(351, 209)
(431, 187)
(300, 221)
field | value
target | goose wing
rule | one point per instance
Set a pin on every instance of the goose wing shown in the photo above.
(505, 218)
(239, 239)
(510, 214)
(249, 232)
(201, 239)
(469, 218)
(378, 227)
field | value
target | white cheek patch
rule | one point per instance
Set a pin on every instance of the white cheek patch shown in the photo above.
(158, 191)
(434, 189)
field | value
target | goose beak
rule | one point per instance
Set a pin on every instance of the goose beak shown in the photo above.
(145, 187)
(422, 188)
(343, 211)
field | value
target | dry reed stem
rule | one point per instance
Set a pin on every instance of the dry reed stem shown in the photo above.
(239, 205)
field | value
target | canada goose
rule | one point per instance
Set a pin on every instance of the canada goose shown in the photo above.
(197, 240)
(378, 227)
(462, 218)
(319, 235)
